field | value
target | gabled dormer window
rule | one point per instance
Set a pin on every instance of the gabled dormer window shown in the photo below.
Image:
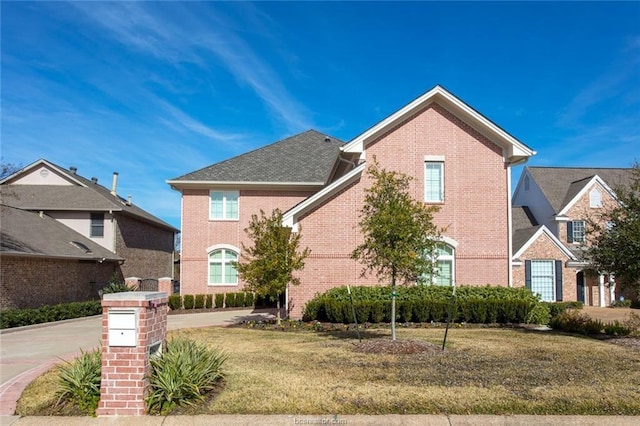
(595, 198)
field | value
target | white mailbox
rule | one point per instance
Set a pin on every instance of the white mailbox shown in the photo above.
(122, 327)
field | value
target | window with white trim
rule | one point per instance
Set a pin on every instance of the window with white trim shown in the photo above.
(434, 181)
(444, 266)
(222, 270)
(97, 225)
(595, 198)
(576, 231)
(543, 279)
(223, 205)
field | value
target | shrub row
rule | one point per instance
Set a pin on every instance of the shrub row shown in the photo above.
(557, 308)
(208, 301)
(20, 317)
(576, 322)
(428, 303)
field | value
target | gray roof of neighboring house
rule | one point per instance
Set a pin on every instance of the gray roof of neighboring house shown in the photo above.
(92, 197)
(524, 226)
(304, 158)
(25, 233)
(561, 184)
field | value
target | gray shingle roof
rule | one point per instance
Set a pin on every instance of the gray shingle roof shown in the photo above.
(521, 236)
(304, 158)
(524, 226)
(561, 184)
(26, 233)
(92, 197)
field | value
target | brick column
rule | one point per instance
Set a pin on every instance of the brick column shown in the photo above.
(134, 324)
(165, 285)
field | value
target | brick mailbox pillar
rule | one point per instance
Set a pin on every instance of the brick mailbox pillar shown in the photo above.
(134, 328)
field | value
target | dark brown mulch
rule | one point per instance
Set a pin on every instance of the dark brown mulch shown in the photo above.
(396, 347)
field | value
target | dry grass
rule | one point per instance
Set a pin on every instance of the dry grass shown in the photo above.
(483, 371)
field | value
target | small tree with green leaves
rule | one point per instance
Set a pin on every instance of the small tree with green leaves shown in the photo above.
(268, 265)
(400, 237)
(614, 236)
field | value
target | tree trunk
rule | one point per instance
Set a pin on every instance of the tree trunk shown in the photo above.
(393, 304)
(278, 313)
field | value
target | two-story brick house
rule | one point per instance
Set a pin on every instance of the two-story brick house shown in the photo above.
(550, 239)
(460, 161)
(133, 242)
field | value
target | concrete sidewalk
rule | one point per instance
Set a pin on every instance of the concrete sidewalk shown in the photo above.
(28, 352)
(349, 420)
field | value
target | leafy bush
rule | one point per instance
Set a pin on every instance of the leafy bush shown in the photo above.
(572, 321)
(219, 300)
(240, 299)
(540, 314)
(635, 304)
(199, 301)
(557, 308)
(175, 302)
(182, 375)
(117, 287)
(79, 381)
(208, 303)
(188, 301)
(616, 329)
(248, 300)
(428, 303)
(621, 303)
(230, 300)
(21, 317)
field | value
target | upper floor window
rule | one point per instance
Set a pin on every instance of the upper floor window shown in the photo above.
(97, 225)
(434, 181)
(576, 231)
(224, 205)
(222, 270)
(595, 198)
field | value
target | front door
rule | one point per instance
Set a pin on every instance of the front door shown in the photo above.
(580, 287)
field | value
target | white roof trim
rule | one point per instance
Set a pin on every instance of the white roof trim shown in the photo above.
(289, 216)
(544, 230)
(514, 149)
(65, 173)
(584, 190)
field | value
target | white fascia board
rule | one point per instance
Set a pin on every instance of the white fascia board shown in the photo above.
(288, 219)
(515, 150)
(544, 230)
(583, 191)
(207, 184)
(42, 162)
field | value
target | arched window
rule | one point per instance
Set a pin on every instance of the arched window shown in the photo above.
(221, 268)
(444, 273)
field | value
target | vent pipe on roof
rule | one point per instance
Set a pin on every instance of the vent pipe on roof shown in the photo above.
(73, 169)
(327, 139)
(94, 180)
(129, 201)
(114, 183)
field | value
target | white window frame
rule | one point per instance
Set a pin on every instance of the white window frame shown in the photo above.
(438, 257)
(438, 162)
(595, 198)
(579, 235)
(536, 277)
(96, 226)
(223, 248)
(225, 196)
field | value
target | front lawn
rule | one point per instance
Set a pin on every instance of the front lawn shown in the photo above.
(483, 371)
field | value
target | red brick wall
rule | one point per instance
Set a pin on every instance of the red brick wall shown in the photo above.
(200, 233)
(148, 249)
(30, 283)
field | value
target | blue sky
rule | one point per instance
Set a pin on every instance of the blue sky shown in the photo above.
(155, 90)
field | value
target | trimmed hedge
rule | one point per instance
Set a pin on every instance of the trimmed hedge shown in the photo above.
(175, 302)
(21, 317)
(428, 303)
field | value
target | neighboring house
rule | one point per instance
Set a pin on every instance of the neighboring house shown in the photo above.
(460, 161)
(551, 208)
(45, 262)
(141, 243)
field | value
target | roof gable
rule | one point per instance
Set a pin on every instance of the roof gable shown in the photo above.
(563, 186)
(514, 150)
(307, 159)
(523, 238)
